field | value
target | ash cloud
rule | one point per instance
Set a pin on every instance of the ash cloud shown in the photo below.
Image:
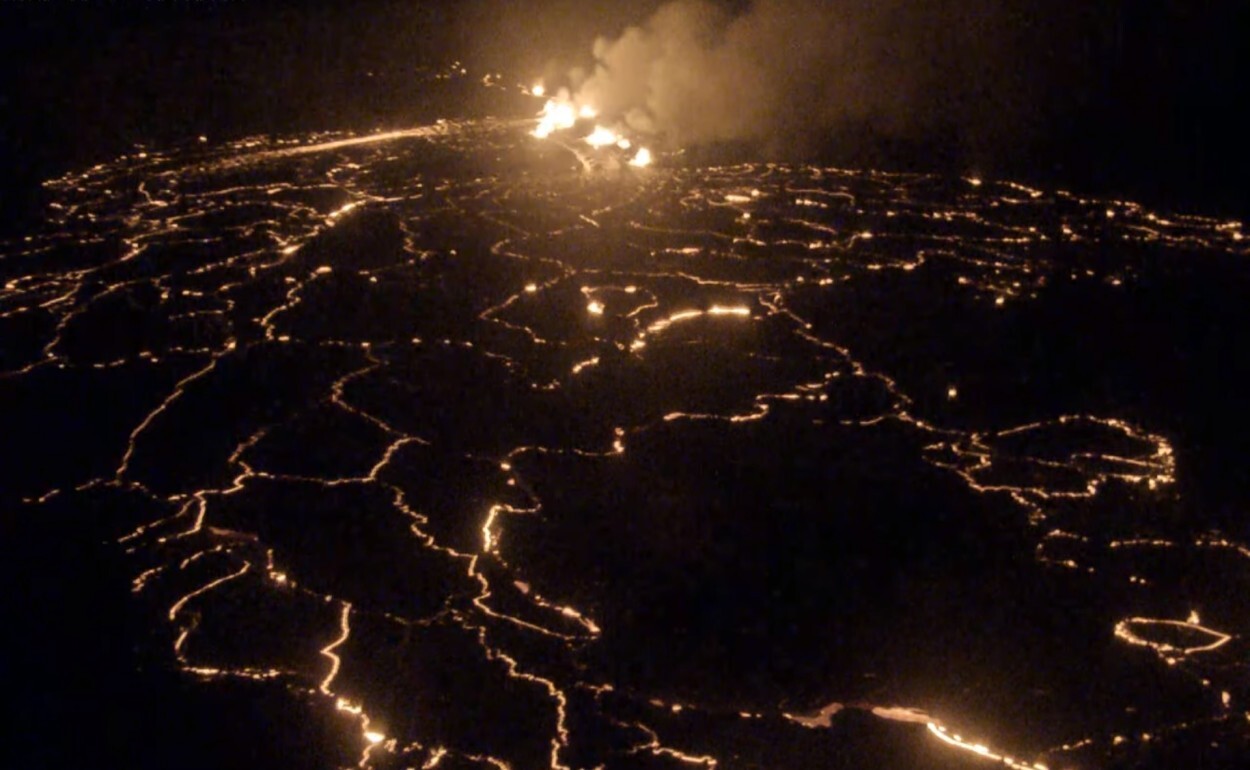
(789, 75)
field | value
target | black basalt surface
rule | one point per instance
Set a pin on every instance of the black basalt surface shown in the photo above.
(433, 449)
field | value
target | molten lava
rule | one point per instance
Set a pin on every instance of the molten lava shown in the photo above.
(560, 113)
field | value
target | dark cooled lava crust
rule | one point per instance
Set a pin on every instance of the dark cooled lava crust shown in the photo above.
(431, 448)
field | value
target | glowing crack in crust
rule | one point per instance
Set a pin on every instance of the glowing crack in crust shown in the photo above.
(1137, 631)
(242, 253)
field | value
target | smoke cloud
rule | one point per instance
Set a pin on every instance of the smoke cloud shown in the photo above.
(789, 75)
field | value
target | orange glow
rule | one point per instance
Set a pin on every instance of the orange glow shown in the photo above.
(679, 236)
(976, 748)
(602, 137)
(556, 115)
(822, 718)
(345, 630)
(579, 366)
(664, 323)
(339, 212)
(489, 541)
(685, 315)
(901, 714)
(642, 158)
(1131, 630)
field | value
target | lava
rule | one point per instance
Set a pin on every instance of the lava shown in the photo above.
(491, 442)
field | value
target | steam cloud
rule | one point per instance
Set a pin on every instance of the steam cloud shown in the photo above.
(788, 73)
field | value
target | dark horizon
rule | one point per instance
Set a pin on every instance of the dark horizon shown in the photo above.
(1122, 100)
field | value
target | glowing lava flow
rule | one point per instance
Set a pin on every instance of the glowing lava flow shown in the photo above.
(944, 735)
(345, 630)
(602, 137)
(557, 115)
(824, 719)
(1135, 630)
(277, 276)
(373, 738)
(642, 158)
(560, 113)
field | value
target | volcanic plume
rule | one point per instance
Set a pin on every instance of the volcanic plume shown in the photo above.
(788, 74)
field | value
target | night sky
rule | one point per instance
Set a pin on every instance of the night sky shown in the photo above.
(1117, 97)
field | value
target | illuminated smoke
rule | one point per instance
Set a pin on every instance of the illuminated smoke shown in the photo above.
(787, 73)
